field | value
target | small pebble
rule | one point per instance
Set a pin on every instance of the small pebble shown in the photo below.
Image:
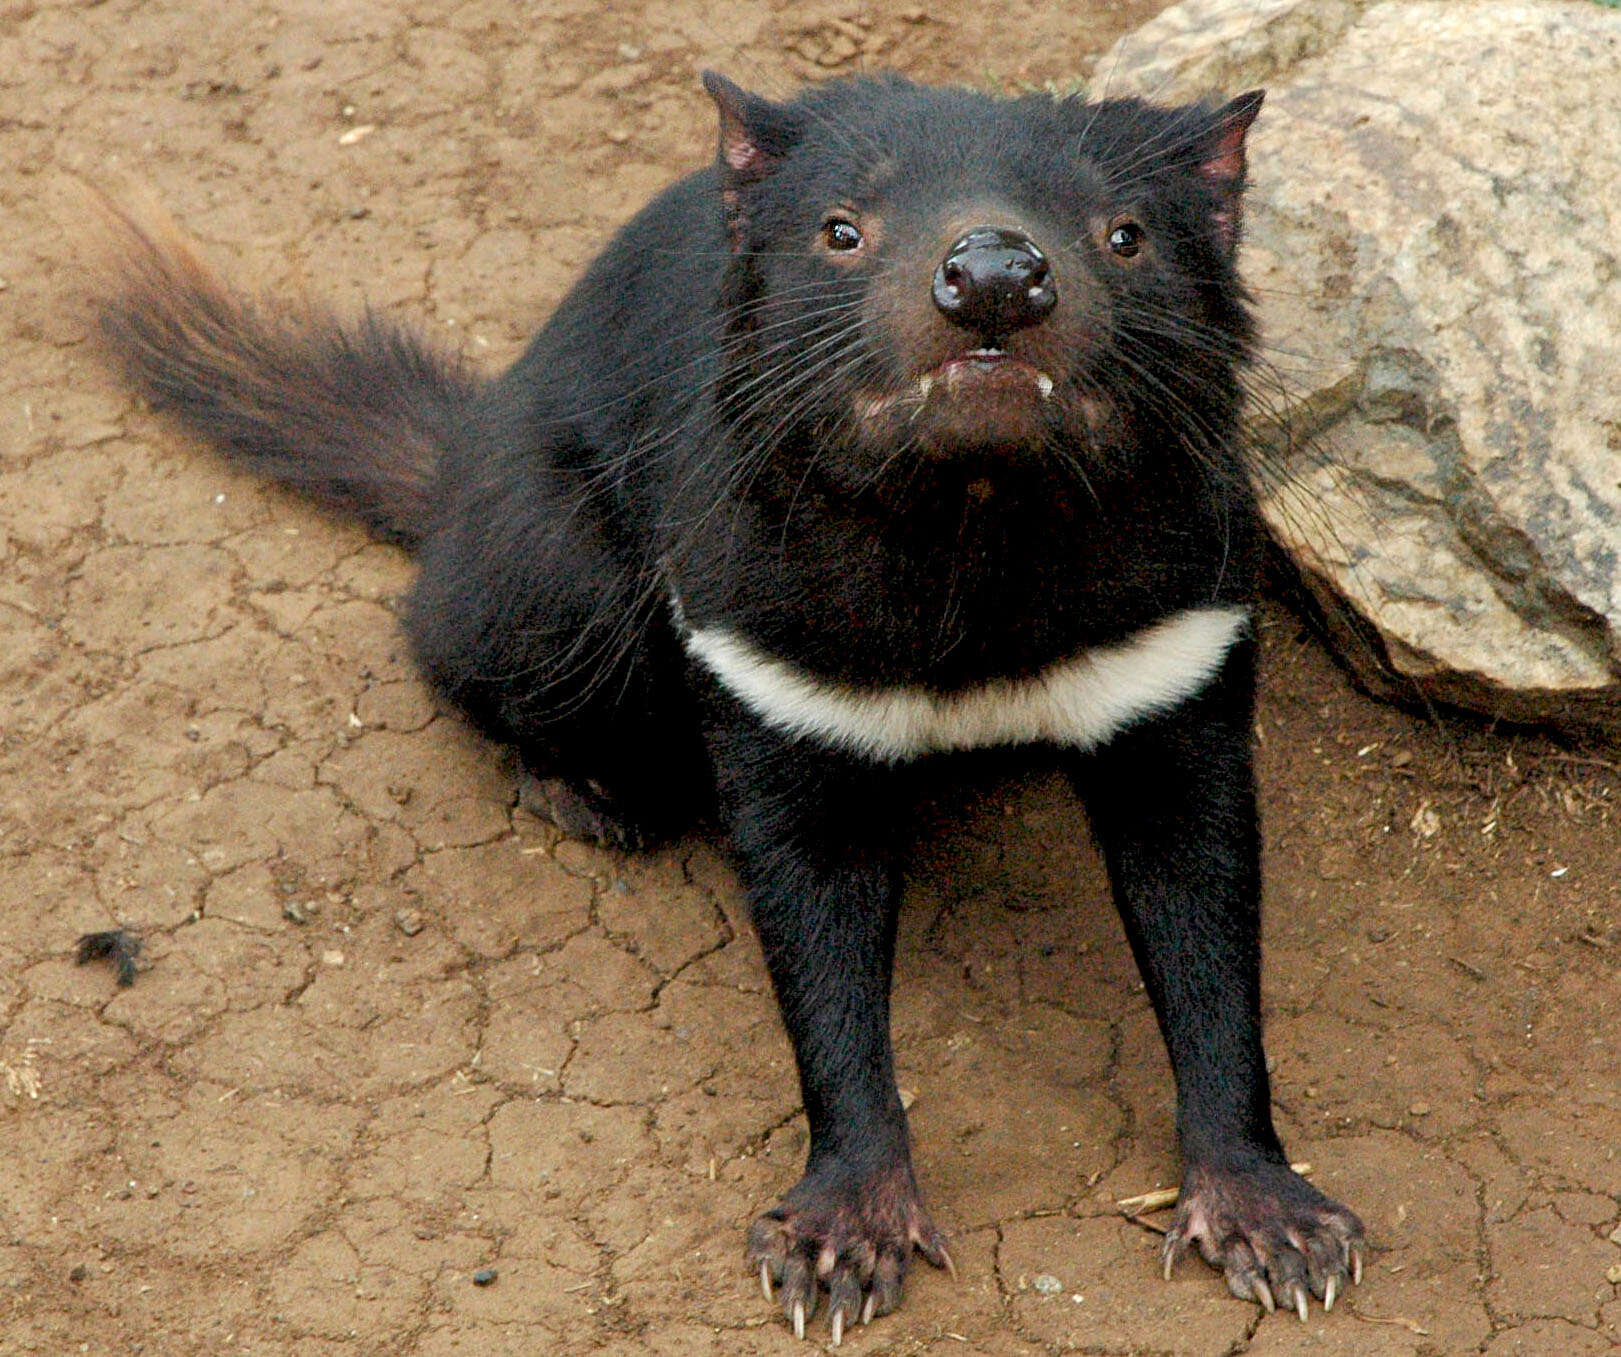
(484, 1276)
(79, 1273)
(409, 922)
(1419, 1109)
(1047, 1284)
(293, 912)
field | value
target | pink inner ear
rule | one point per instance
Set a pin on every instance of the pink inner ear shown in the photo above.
(1226, 163)
(742, 155)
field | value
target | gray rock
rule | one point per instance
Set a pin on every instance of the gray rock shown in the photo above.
(1434, 237)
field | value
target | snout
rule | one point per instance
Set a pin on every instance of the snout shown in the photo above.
(994, 280)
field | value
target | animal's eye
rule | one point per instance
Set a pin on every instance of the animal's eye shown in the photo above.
(841, 234)
(1125, 239)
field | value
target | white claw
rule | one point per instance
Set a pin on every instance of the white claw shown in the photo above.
(838, 1326)
(1329, 1292)
(1300, 1302)
(1356, 1267)
(868, 1306)
(1263, 1293)
(1169, 1261)
(1044, 384)
(765, 1279)
(799, 1319)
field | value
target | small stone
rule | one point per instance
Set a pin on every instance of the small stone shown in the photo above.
(332, 957)
(1047, 1284)
(1419, 1109)
(79, 1273)
(1613, 1275)
(295, 913)
(485, 1276)
(409, 922)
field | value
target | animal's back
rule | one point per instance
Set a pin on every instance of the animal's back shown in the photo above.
(628, 354)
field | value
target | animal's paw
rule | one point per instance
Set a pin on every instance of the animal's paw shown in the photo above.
(585, 811)
(847, 1236)
(1273, 1234)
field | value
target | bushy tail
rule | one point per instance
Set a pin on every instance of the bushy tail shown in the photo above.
(355, 416)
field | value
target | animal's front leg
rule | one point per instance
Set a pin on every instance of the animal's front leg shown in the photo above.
(815, 838)
(1172, 803)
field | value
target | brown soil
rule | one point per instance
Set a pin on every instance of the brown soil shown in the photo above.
(389, 1031)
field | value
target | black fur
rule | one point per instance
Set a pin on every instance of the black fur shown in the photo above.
(722, 423)
(117, 946)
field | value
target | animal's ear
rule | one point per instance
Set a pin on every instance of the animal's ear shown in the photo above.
(755, 135)
(1222, 163)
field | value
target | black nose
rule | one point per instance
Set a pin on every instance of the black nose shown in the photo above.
(994, 281)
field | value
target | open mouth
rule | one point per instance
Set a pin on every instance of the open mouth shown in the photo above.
(984, 383)
(984, 370)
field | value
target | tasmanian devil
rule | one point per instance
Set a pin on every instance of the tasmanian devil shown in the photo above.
(908, 428)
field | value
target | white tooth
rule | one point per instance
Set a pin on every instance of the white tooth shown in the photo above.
(1044, 384)
(924, 386)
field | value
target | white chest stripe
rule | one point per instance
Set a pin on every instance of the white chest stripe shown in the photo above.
(1079, 702)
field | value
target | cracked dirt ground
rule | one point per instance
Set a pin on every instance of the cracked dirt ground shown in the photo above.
(389, 1032)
